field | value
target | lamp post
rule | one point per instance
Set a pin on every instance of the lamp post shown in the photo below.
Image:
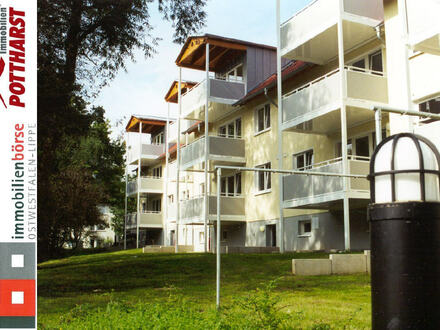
(404, 216)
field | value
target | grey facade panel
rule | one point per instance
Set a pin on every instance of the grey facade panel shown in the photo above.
(27, 253)
(226, 147)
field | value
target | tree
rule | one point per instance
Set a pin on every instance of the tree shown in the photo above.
(81, 46)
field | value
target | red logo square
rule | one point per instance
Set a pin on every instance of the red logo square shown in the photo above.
(23, 289)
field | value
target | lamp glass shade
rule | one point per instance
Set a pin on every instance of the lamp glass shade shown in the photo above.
(407, 185)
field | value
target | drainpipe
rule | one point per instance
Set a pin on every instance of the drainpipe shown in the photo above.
(280, 133)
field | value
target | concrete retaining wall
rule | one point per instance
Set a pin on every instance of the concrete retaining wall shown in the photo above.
(348, 263)
(337, 264)
(308, 267)
(250, 249)
(167, 249)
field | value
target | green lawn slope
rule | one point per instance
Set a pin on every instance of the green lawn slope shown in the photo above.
(132, 290)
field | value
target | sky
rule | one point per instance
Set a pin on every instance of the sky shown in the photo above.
(141, 89)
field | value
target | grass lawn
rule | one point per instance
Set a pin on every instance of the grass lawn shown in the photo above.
(168, 290)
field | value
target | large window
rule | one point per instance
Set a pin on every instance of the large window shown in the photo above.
(303, 160)
(371, 62)
(263, 179)
(231, 129)
(157, 172)
(361, 146)
(231, 185)
(156, 205)
(159, 139)
(305, 228)
(262, 118)
(432, 106)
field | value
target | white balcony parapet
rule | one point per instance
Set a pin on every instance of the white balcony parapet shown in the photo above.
(307, 191)
(152, 185)
(227, 150)
(322, 95)
(148, 219)
(148, 152)
(232, 209)
(424, 25)
(311, 34)
(221, 91)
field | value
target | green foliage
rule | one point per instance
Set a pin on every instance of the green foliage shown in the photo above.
(82, 44)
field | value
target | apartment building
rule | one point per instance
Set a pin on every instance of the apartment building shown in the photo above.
(356, 55)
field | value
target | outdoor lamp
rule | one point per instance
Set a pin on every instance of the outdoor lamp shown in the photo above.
(404, 219)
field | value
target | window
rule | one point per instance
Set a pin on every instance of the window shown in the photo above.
(157, 172)
(262, 118)
(156, 205)
(375, 61)
(263, 178)
(224, 235)
(201, 237)
(431, 106)
(339, 148)
(303, 161)
(185, 194)
(362, 147)
(159, 139)
(231, 185)
(231, 129)
(371, 61)
(305, 228)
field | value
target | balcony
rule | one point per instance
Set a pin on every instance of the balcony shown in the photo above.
(222, 93)
(311, 35)
(149, 185)
(184, 125)
(148, 153)
(325, 192)
(149, 219)
(314, 107)
(424, 25)
(222, 150)
(232, 209)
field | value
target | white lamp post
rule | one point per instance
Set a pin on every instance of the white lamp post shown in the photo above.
(404, 216)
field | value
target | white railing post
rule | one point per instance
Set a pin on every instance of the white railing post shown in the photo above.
(219, 174)
(179, 93)
(343, 94)
(206, 200)
(138, 186)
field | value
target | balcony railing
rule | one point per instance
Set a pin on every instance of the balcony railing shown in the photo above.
(220, 149)
(311, 34)
(303, 190)
(153, 185)
(148, 219)
(424, 25)
(147, 152)
(322, 95)
(232, 209)
(221, 91)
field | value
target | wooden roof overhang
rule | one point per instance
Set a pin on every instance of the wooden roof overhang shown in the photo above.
(221, 52)
(173, 92)
(149, 125)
